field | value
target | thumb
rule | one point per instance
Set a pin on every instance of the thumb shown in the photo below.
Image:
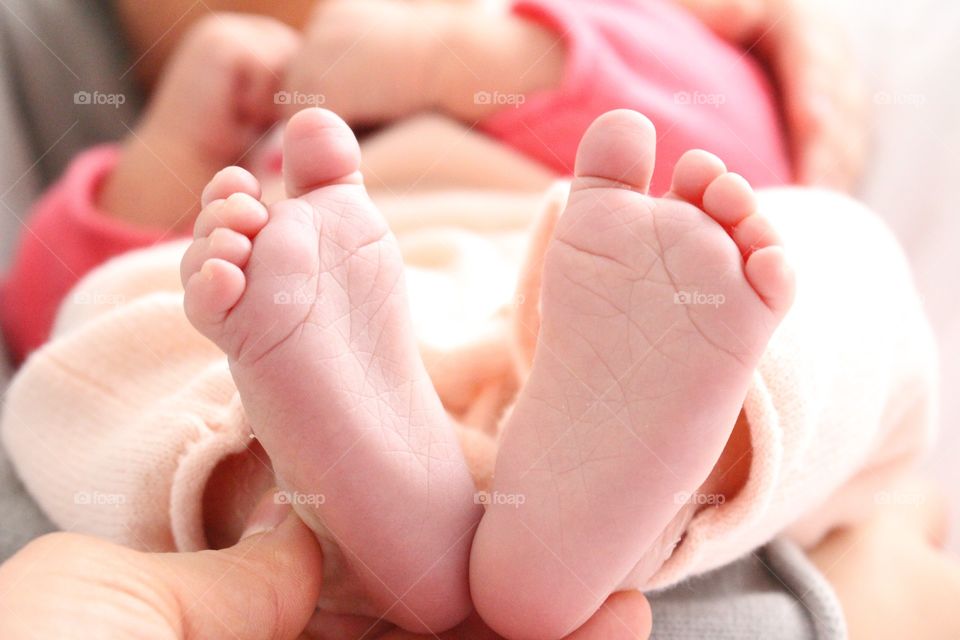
(266, 586)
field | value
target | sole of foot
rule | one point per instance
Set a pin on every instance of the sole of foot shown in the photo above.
(307, 299)
(654, 315)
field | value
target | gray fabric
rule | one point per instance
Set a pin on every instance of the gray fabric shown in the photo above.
(773, 593)
(20, 519)
(51, 49)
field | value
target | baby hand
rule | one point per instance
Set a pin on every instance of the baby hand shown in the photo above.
(216, 98)
(375, 61)
(369, 61)
(820, 86)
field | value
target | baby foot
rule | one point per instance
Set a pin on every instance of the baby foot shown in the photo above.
(307, 300)
(655, 313)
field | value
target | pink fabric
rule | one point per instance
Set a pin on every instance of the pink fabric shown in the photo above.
(65, 238)
(655, 58)
(649, 56)
(116, 424)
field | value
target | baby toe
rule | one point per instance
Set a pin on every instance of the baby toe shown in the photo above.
(769, 273)
(240, 212)
(211, 292)
(754, 233)
(618, 149)
(229, 181)
(693, 173)
(729, 199)
(222, 243)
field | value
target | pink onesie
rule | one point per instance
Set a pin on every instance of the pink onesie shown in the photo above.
(644, 55)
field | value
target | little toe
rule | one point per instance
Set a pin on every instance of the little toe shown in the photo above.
(618, 149)
(754, 233)
(227, 182)
(319, 150)
(694, 172)
(240, 212)
(771, 276)
(211, 292)
(223, 244)
(729, 199)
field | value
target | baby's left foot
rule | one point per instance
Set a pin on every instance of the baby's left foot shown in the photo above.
(307, 299)
(655, 315)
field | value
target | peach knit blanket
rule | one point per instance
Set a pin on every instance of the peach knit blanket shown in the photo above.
(116, 424)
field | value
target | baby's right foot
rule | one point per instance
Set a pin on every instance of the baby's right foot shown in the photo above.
(308, 302)
(655, 314)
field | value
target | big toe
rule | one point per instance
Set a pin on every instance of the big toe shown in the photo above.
(319, 150)
(619, 147)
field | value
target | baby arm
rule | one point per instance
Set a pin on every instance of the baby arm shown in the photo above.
(374, 61)
(536, 76)
(818, 80)
(213, 103)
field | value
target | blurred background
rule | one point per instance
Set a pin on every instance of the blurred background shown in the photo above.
(909, 55)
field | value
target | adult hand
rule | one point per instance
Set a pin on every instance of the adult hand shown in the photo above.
(69, 586)
(890, 574)
(821, 90)
(625, 616)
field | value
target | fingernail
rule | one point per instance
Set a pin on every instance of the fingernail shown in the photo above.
(268, 514)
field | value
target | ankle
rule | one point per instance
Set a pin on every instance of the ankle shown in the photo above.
(730, 474)
(234, 488)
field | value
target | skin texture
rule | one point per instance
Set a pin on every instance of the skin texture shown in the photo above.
(332, 368)
(428, 56)
(315, 142)
(70, 586)
(63, 584)
(633, 393)
(215, 101)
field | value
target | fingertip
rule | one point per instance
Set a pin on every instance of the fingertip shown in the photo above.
(625, 615)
